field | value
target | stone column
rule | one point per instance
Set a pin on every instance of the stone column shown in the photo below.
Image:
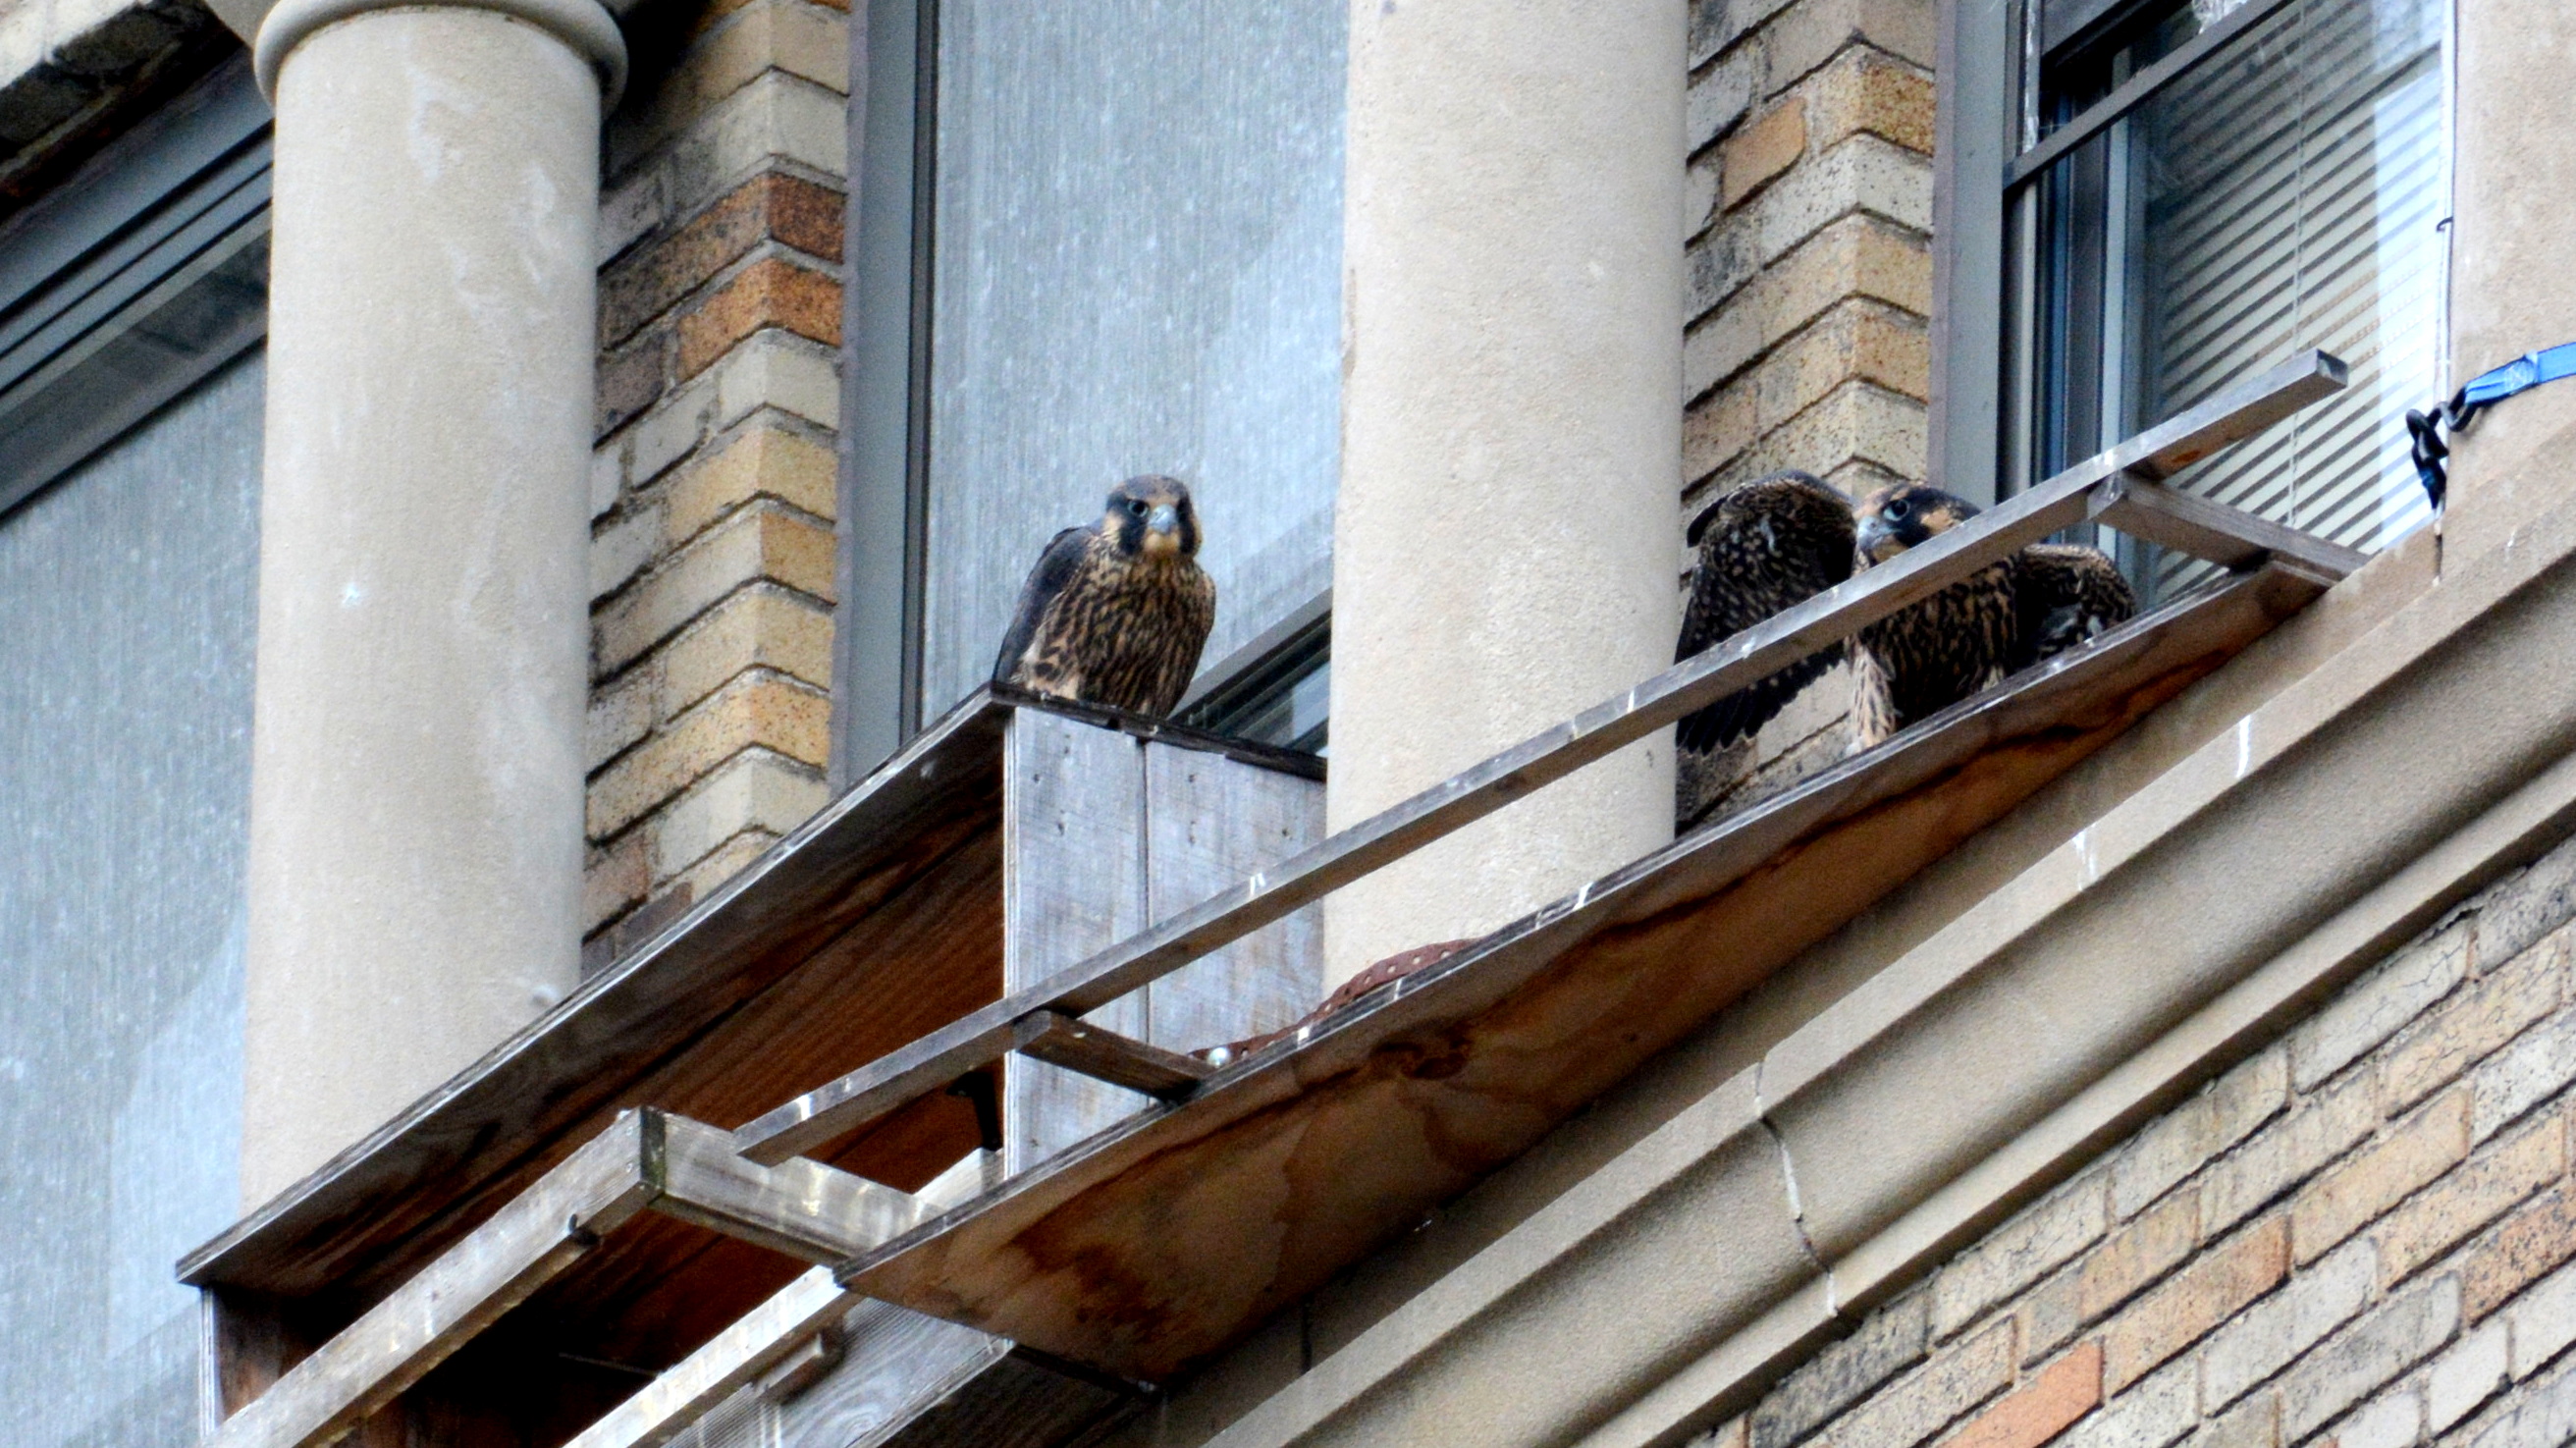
(2514, 200)
(416, 793)
(1506, 545)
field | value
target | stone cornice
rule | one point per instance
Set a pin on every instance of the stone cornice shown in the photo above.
(584, 25)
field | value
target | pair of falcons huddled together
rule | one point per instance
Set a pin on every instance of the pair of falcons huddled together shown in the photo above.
(1116, 613)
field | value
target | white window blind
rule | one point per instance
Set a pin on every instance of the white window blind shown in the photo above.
(2286, 192)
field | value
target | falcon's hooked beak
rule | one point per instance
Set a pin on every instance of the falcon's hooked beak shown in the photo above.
(1163, 529)
(1876, 540)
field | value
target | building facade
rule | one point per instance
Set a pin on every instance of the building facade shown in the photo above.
(505, 506)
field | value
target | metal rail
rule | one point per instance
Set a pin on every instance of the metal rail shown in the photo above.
(2120, 488)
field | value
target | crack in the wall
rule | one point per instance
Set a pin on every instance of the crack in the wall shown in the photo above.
(1797, 1207)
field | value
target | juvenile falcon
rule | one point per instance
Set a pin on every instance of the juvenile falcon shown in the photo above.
(1116, 613)
(1767, 545)
(2004, 617)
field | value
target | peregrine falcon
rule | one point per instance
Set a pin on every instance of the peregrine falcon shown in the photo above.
(1116, 613)
(2004, 617)
(1767, 545)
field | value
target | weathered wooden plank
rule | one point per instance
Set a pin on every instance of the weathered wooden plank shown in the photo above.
(750, 1347)
(1073, 883)
(875, 1347)
(1443, 1077)
(566, 1071)
(2071, 497)
(1210, 822)
(2230, 537)
(595, 1191)
(798, 1207)
(895, 1363)
(1154, 729)
(1104, 1055)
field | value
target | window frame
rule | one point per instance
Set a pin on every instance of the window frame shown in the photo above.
(1989, 163)
(156, 213)
(878, 688)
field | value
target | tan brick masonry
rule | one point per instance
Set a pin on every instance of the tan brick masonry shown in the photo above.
(2319, 1248)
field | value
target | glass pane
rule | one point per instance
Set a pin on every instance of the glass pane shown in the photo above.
(2286, 194)
(125, 711)
(1138, 238)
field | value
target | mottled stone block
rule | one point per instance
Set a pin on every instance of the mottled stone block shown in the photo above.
(2529, 1243)
(2063, 1392)
(2019, 1253)
(2336, 1204)
(2184, 1139)
(2194, 1302)
(2393, 1337)
(1913, 1409)
(2377, 1006)
(2276, 1331)
(2138, 1254)
(2286, 1153)
(2435, 1050)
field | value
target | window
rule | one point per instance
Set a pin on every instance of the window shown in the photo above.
(1092, 241)
(130, 313)
(2198, 189)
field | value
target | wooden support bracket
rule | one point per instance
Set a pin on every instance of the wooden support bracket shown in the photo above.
(596, 1190)
(645, 1160)
(2117, 480)
(1105, 1055)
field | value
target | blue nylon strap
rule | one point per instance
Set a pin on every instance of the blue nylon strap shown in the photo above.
(2521, 374)
(2488, 388)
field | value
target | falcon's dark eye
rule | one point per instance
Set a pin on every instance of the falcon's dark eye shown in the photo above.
(1897, 508)
(1136, 506)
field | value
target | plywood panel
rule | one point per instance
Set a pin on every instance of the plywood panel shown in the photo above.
(1073, 882)
(1211, 821)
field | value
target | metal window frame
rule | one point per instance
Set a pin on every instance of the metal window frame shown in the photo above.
(2003, 320)
(878, 698)
(95, 261)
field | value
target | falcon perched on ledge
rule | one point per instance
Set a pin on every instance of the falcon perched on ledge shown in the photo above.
(2003, 618)
(1768, 545)
(1116, 613)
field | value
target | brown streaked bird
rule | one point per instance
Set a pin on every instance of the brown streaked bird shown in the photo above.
(1765, 546)
(1116, 613)
(2012, 613)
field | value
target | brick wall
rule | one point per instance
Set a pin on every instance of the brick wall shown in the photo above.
(1810, 280)
(2360, 1236)
(712, 491)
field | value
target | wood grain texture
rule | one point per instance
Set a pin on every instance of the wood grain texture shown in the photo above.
(1209, 823)
(2071, 497)
(475, 1141)
(1104, 1055)
(1073, 883)
(797, 1208)
(1293, 1163)
(398, 1341)
(732, 1359)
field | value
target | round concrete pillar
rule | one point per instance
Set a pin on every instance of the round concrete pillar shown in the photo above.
(416, 793)
(1506, 543)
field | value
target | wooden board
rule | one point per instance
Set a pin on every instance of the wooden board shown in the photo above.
(380, 1207)
(1073, 882)
(1151, 1246)
(1105, 833)
(1210, 822)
